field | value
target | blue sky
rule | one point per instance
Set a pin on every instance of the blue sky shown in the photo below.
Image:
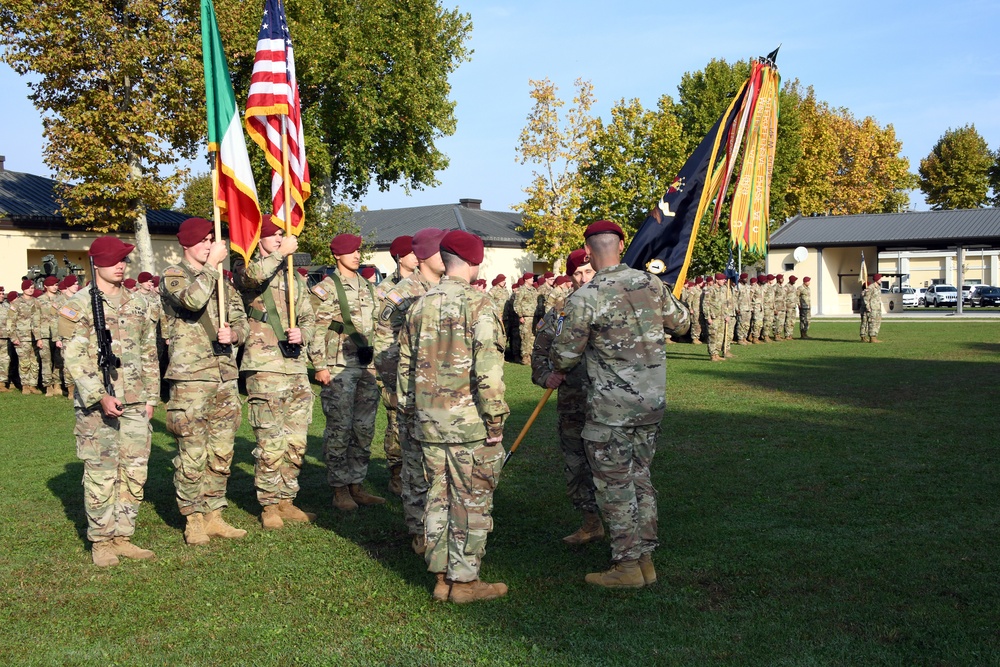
(923, 67)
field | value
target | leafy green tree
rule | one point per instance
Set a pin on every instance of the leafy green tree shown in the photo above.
(558, 148)
(956, 173)
(116, 83)
(198, 197)
(324, 225)
(994, 174)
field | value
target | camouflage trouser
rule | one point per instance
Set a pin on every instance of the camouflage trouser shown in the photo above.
(459, 505)
(390, 443)
(757, 325)
(115, 455)
(695, 325)
(742, 326)
(768, 324)
(527, 339)
(4, 360)
(870, 324)
(571, 410)
(620, 458)
(803, 321)
(716, 334)
(204, 417)
(280, 411)
(349, 403)
(45, 361)
(414, 480)
(790, 323)
(27, 362)
(779, 324)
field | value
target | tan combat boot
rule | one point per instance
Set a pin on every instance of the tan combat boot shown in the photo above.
(290, 512)
(442, 588)
(123, 547)
(697, 341)
(874, 339)
(463, 592)
(419, 544)
(216, 526)
(625, 574)
(103, 554)
(591, 530)
(715, 357)
(194, 532)
(4, 388)
(270, 518)
(362, 497)
(70, 390)
(53, 390)
(647, 569)
(29, 390)
(342, 499)
(395, 480)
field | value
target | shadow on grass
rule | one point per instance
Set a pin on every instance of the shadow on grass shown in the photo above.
(68, 488)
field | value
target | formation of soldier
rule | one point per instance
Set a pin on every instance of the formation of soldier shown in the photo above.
(747, 311)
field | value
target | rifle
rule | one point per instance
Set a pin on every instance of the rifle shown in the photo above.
(106, 359)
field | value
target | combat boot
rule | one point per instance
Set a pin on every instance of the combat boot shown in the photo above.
(29, 390)
(715, 357)
(290, 512)
(463, 592)
(103, 554)
(874, 339)
(591, 530)
(396, 480)
(123, 547)
(697, 341)
(4, 388)
(362, 497)
(194, 531)
(53, 390)
(270, 518)
(625, 574)
(70, 390)
(647, 569)
(419, 544)
(442, 588)
(216, 526)
(342, 499)
(864, 340)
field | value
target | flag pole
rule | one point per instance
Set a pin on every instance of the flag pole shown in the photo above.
(216, 214)
(286, 185)
(527, 425)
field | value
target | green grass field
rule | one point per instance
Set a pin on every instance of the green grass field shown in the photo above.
(821, 502)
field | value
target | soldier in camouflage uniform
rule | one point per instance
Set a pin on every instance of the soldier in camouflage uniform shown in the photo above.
(401, 250)
(713, 309)
(343, 358)
(744, 310)
(768, 292)
(498, 293)
(871, 310)
(570, 409)
(69, 286)
(279, 397)
(757, 311)
(779, 307)
(791, 303)
(451, 381)
(805, 307)
(204, 410)
(391, 318)
(613, 321)
(525, 304)
(45, 329)
(112, 430)
(4, 342)
(22, 320)
(694, 307)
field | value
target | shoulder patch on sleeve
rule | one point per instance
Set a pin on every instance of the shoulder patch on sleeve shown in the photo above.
(559, 323)
(394, 296)
(173, 271)
(320, 292)
(386, 313)
(71, 314)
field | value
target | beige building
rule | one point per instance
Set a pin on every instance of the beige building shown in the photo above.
(915, 248)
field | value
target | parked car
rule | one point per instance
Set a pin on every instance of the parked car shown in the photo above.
(909, 297)
(967, 292)
(985, 296)
(920, 291)
(976, 289)
(941, 295)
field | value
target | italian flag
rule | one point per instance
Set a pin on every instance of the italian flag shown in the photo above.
(235, 192)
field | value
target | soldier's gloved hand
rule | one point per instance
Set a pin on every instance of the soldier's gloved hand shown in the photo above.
(111, 406)
(294, 336)
(289, 244)
(226, 336)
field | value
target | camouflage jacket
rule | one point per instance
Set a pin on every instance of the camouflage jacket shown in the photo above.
(541, 362)
(712, 303)
(499, 296)
(768, 292)
(693, 301)
(450, 377)
(743, 298)
(46, 320)
(330, 347)
(871, 299)
(391, 318)
(184, 293)
(525, 301)
(261, 352)
(133, 341)
(617, 322)
(387, 284)
(4, 319)
(805, 297)
(756, 299)
(791, 297)
(21, 318)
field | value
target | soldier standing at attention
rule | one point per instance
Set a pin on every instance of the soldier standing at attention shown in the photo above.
(21, 323)
(791, 303)
(343, 358)
(4, 342)
(779, 307)
(768, 290)
(204, 409)
(571, 405)
(112, 429)
(805, 308)
(498, 292)
(525, 304)
(45, 331)
(401, 250)
(614, 321)
(68, 286)
(391, 319)
(451, 381)
(871, 310)
(694, 306)
(713, 308)
(279, 397)
(757, 311)
(744, 310)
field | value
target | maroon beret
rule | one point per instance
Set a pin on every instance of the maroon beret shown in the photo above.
(549, 274)
(806, 279)
(792, 279)
(27, 284)
(109, 250)
(50, 280)
(144, 277)
(303, 271)
(753, 281)
(780, 276)
(744, 276)
(877, 277)
(67, 282)
(427, 242)
(575, 260)
(156, 281)
(193, 231)
(562, 280)
(720, 276)
(11, 296)
(499, 279)
(603, 227)
(699, 281)
(468, 247)
(770, 276)
(267, 226)
(130, 283)
(345, 244)
(517, 283)
(401, 246)
(539, 279)
(368, 272)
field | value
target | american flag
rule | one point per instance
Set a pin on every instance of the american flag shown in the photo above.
(273, 104)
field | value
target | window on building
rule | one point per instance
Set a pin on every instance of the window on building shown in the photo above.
(789, 266)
